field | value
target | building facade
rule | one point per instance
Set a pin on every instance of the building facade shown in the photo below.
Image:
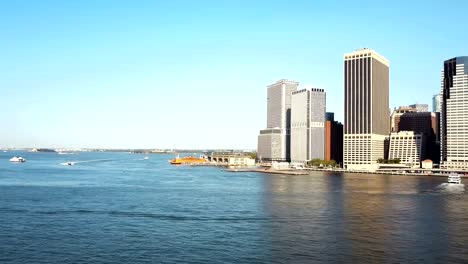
(307, 124)
(333, 139)
(420, 107)
(274, 142)
(454, 113)
(408, 147)
(436, 103)
(426, 123)
(423, 122)
(396, 115)
(366, 105)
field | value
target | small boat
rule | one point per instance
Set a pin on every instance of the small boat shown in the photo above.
(70, 163)
(145, 158)
(17, 159)
(454, 178)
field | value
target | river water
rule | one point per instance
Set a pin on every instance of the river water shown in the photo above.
(120, 208)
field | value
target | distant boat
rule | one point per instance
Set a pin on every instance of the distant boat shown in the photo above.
(17, 159)
(454, 178)
(145, 158)
(66, 153)
(68, 163)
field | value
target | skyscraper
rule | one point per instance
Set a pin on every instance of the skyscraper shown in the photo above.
(307, 124)
(454, 113)
(333, 139)
(274, 141)
(366, 105)
(436, 103)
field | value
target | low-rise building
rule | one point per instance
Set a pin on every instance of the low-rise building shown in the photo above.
(241, 161)
(408, 147)
(280, 165)
(427, 164)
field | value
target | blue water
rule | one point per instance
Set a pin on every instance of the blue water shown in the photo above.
(120, 208)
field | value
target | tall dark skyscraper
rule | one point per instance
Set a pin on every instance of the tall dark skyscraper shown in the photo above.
(454, 114)
(333, 139)
(366, 105)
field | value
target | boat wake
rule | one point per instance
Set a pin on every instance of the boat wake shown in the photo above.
(70, 163)
(451, 188)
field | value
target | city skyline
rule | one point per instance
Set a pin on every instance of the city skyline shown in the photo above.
(159, 75)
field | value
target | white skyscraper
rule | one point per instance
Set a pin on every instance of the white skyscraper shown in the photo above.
(454, 114)
(274, 141)
(307, 125)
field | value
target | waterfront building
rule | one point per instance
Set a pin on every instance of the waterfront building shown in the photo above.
(454, 113)
(274, 142)
(241, 161)
(426, 123)
(333, 139)
(307, 125)
(436, 103)
(366, 106)
(408, 147)
(228, 157)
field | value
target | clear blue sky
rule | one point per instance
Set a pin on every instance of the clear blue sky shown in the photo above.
(193, 74)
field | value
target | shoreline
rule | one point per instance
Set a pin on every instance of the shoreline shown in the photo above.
(306, 171)
(271, 171)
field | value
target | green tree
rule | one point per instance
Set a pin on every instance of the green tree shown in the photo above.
(321, 162)
(252, 155)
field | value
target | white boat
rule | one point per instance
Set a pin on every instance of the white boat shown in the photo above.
(145, 158)
(66, 153)
(454, 178)
(17, 159)
(70, 163)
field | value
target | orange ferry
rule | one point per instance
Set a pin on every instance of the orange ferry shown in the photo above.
(187, 160)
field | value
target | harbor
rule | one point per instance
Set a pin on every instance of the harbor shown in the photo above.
(126, 201)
